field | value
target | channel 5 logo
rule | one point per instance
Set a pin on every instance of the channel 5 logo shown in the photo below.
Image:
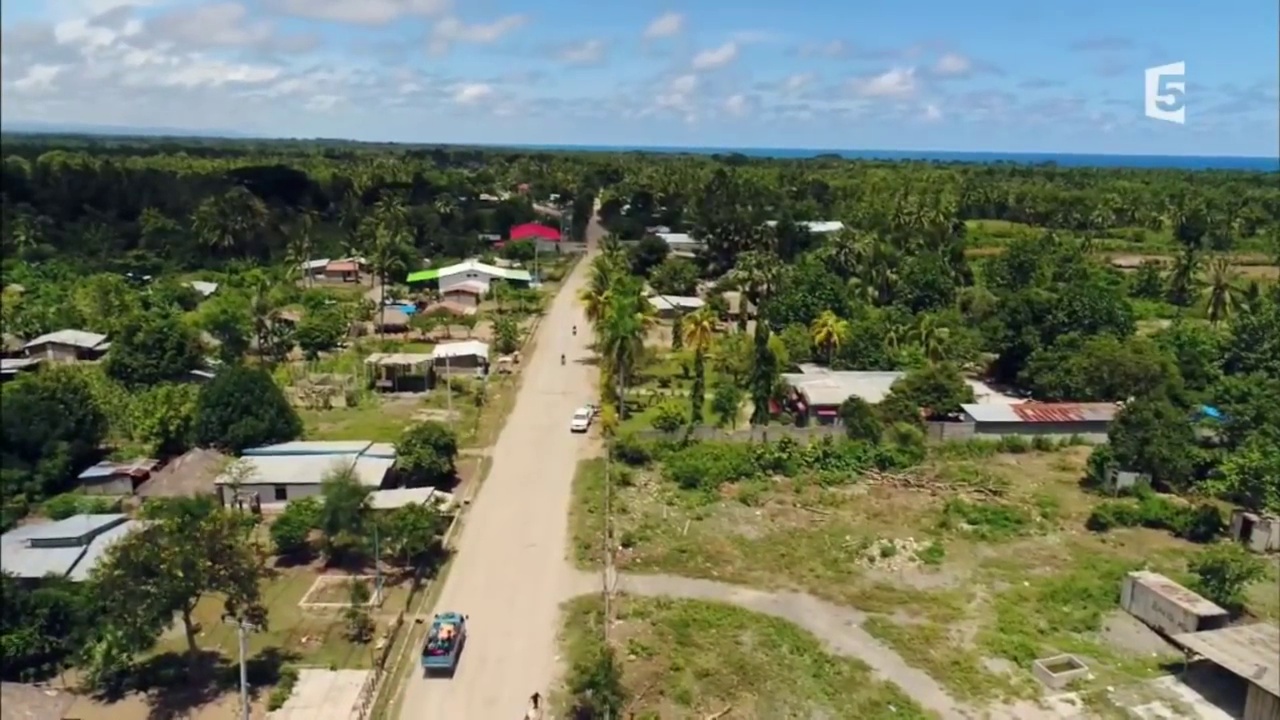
(1166, 93)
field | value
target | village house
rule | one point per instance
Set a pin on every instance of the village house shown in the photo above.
(545, 239)
(681, 244)
(12, 367)
(467, 293)
(671, 306)
(345, 269)
(276, 474)
(817, 392)
(470, 271)
(68, 548)
(112, 478)
(816, 227)
(1088, 421)
(469, 357)
(67, 346)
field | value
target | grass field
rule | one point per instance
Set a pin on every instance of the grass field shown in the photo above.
(982, 568)
(692, 659)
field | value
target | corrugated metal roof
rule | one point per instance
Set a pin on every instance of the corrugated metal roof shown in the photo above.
(1034, 412)
(678, 239)
(399, 497)
(67, 548)
(465, 348)
(371, 471)
(1251, 652)
(16, 364)
(676, 302)
(292, 469)
(474, 265)
(403, 359)
(311, 447)
(74, 338)
(817, 227)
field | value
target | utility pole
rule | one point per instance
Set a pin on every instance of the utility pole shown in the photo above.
(377, 565)
(243, 628)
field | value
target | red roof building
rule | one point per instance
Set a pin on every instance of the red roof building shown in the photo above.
(534, 231)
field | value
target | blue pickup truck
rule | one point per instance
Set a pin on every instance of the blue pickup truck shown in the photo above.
(444, 644)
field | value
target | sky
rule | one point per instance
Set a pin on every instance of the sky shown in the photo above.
(978, 75)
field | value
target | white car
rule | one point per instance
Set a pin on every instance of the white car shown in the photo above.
(581, 421)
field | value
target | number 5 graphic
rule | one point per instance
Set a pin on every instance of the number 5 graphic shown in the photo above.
(1166, 93)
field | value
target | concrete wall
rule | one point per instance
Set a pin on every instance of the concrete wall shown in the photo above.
(267, 493)
(1090, 431)
(461, 297)
(934, 431)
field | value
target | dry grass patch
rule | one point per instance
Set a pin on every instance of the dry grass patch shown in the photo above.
(691, 659)
(982, 567)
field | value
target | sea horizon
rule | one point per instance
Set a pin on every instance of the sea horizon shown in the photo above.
(1100, 160)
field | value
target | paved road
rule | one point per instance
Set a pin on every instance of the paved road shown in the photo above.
(511, 574)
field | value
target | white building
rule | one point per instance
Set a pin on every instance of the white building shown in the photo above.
(473, 272)
(279, 473)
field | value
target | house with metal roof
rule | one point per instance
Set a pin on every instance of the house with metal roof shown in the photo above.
(11, 367)
(471, 271)
(669, 306)
(681, 244)
(67, 346)
(69, 548)
(817, 391)
(276, 474)
(1089, 421)
(115, 478)
(466, 357)
(817, 227)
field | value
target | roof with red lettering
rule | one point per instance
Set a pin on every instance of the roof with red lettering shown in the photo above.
(534, 230)
(1038, 412)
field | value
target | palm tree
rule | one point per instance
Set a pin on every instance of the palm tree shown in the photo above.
(698, 331)
(931, 338)
(300, 245)
(1222, 301)
(828, 331)
(387, 249)
(621, 333)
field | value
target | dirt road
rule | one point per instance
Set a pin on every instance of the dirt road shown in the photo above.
(510, 574)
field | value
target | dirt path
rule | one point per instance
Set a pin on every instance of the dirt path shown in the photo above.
(510, 574)
(840, 627)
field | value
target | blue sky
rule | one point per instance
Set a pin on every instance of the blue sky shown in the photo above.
(983, 75)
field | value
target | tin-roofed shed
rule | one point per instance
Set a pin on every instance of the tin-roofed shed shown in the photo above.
(1090, 421)
(68, 548)
(1252, 654)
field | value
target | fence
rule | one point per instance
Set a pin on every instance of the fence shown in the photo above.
(934, 431)
(369, 691)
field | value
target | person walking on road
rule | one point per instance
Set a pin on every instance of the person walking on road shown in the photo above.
(536, 699)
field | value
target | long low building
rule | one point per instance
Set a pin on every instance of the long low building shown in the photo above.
(1089, 421)
(1249, 652)
(278, 474)
(817, 392)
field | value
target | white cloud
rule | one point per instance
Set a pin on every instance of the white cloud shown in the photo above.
(589, 52)
(737, 105)
(362, 12)
(895, 83)
(716, 57)
(953, 65)
(450, 30)
(665, 25)
(678, 94)
(210, 25)
(932, 113)
(472, 93)
(39, 78)
(796, 83)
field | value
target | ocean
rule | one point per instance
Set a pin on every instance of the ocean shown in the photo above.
(1179, 162)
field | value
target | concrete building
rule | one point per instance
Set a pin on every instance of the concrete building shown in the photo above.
(468, 357)
(817, 392)
(69, 548)
(67, 346)
(277, 474)
(1090, 421)
(1250, 653)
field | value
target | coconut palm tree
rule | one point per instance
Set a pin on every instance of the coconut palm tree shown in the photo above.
(828, 331)
(1222, 300)
(698, 331)
(300, 245)
(931, 338)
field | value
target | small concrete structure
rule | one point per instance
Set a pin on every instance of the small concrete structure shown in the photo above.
(469, 357)
(1059, 671)
(1258, 533)
(1168, 607)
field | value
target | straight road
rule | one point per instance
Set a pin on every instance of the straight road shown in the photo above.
(511, 574)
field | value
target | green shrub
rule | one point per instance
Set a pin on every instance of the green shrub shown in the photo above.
(1200, 523)
(1015, 444)
(1224, 571)
(65, 505)
(986, 521)
(631, 450)
(283, 689)
(1041, 443)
